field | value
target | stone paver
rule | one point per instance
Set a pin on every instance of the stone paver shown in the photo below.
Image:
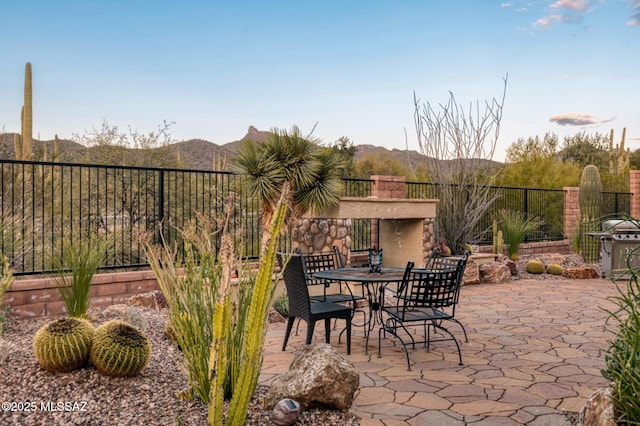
(535, 351)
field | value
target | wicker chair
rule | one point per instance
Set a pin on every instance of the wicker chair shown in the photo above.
(301, 306)
(427, 298)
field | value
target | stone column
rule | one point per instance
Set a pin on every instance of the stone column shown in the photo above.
(320, 235)
(634, 188)
(571, 211)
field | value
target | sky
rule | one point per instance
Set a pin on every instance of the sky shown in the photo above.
(348, 67)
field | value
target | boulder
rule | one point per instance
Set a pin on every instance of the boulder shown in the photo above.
(494, 273)
(580, 273)
(599, 410)
(318, 377)
(471, 273)
(152, 300)
(135, 317)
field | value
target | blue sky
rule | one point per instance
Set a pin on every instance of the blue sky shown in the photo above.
(216, 67)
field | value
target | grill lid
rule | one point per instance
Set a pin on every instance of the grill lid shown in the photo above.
(617, 226)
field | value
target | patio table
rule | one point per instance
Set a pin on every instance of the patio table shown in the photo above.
(371, 281)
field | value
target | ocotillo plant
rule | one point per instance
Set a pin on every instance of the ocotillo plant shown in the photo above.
(27, 115)
(590, 200)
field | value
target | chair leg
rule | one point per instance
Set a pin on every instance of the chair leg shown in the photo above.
(349, 335)
(310, 327)
(290, 322)
(327, 330)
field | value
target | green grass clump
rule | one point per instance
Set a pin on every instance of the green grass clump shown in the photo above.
(515, 227)
(82, 258)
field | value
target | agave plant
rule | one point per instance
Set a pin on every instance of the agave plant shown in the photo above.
(515, 227)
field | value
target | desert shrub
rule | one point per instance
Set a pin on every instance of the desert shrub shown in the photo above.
(281, 305)
(515, 227)
(190, 279)
(535, 267)
(81, 257)
(623, 356)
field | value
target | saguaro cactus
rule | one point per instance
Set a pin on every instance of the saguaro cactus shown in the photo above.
(618, 159)
(590, 199)
(27, 115)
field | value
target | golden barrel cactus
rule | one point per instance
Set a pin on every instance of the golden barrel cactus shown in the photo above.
(119, 349)
(64, 344)
(535, 267)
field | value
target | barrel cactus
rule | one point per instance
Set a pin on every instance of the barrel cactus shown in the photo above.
(535, 267)
(554, 269)
(119, 349)
(64, 344)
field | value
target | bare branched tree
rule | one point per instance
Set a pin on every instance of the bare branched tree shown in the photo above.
(460, 144)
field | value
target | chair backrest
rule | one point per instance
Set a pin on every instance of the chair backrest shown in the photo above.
(429, 288)
(295, 282)
(312, 263)
(437, 261)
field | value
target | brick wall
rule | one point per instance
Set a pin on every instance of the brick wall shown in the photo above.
(388, 186)
(562, 247)
(40, 298)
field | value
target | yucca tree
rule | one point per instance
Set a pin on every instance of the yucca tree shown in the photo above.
(312, 172)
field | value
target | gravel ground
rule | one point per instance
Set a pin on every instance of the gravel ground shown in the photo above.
(566, 261)
(92, 399)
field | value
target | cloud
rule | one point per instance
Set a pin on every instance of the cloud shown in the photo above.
(565, 11)
(578, 119)
(634, 19)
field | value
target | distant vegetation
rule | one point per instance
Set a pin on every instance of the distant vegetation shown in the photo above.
(541, 162)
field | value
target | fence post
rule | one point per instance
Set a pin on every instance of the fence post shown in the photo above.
(571, 210)
(160, 223)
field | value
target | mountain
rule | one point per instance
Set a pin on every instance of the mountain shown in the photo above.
(195, 154)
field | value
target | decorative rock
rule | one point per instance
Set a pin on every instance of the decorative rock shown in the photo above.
(580, 273)
(342, 232)
(314, 228)
(286, 412)
(471, 273)
(494, 273)
(135, 317)
(324, 226)
(512, 267)
(318, 242)
(274, 316)
(599, 410)
(152, 300)
(318, 377)
(308, 239)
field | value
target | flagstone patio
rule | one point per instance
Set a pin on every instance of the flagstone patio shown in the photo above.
(534, 354)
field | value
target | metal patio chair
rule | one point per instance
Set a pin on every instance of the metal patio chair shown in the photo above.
(426, 298)
(301, 306)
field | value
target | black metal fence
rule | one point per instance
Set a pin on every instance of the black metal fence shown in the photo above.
(545, 204)
(44, 203)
